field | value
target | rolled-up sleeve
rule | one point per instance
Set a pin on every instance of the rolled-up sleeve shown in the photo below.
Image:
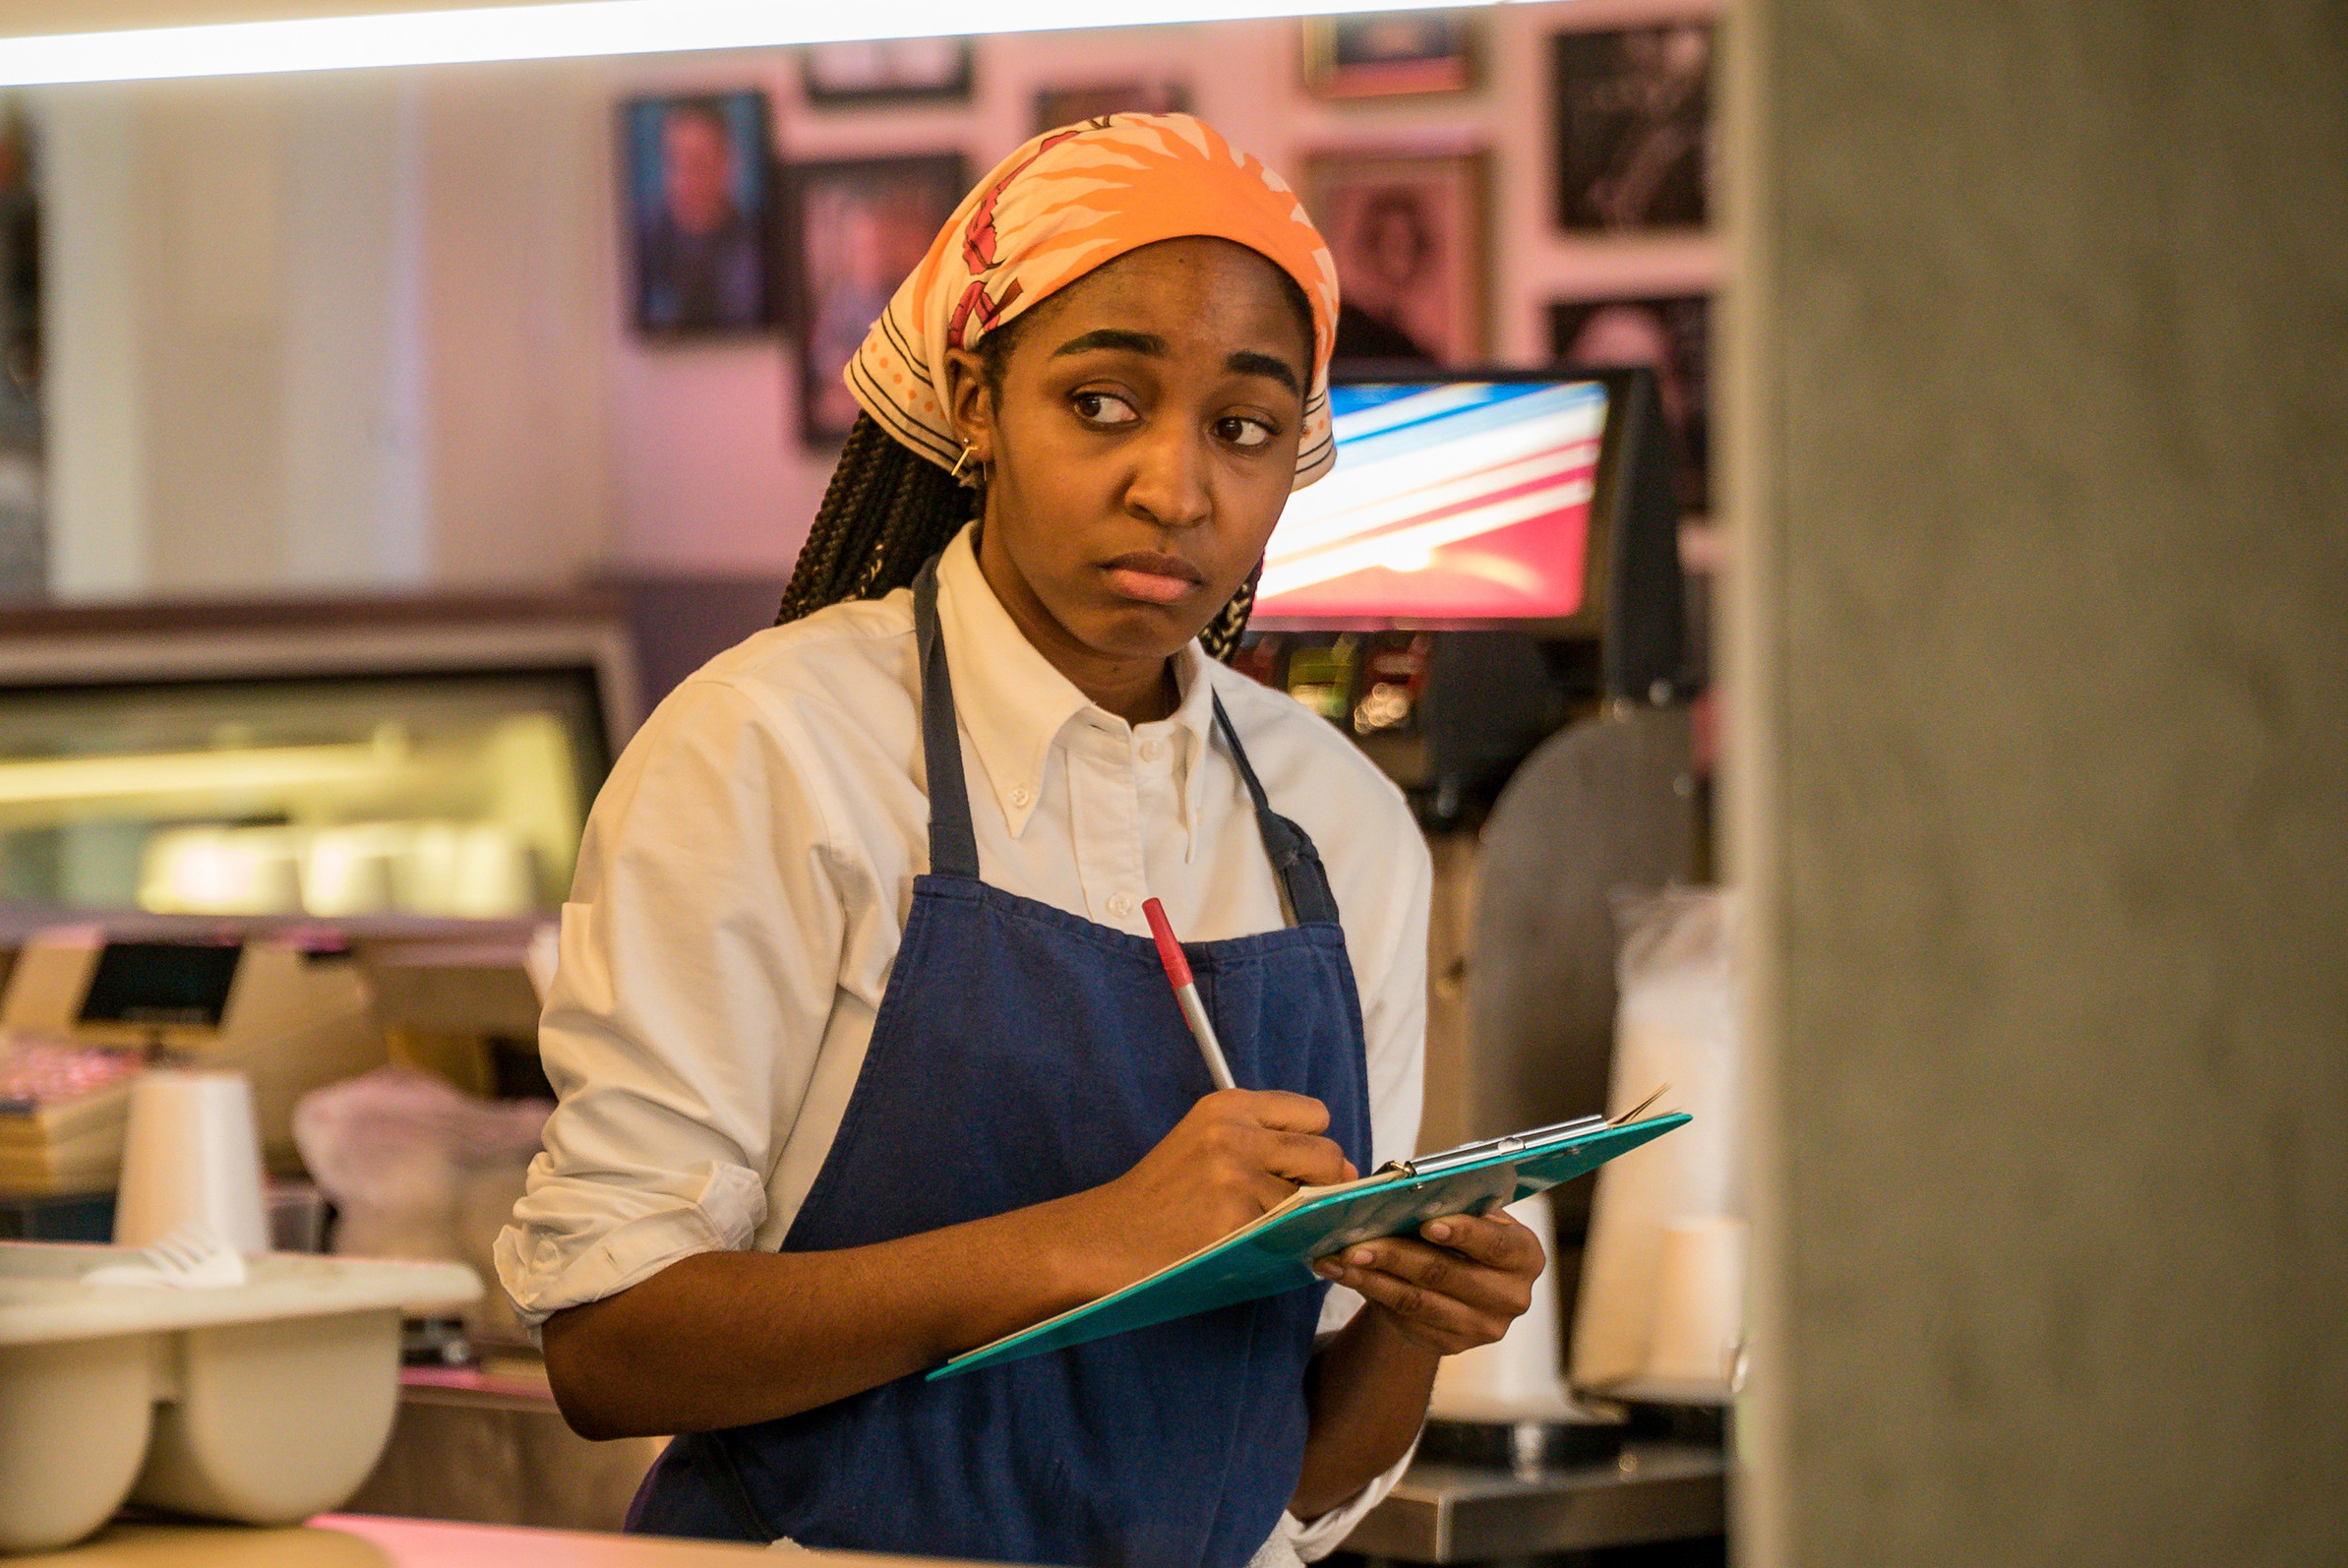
(698, 961)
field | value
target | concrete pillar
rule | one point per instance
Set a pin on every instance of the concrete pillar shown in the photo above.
(2039, 421)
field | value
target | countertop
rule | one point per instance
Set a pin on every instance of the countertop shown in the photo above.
(1652, 1492)
(359, 1541)
(1439, 1514)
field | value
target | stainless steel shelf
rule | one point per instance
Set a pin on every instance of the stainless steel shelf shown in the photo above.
(1454, 1513)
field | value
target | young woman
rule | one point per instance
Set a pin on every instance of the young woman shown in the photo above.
(865, 1054)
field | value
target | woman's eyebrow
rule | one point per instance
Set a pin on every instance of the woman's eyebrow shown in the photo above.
(1112, 338)
(1247, 362)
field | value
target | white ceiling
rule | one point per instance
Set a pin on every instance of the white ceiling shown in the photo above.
(31, 18)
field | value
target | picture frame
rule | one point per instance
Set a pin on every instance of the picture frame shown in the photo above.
(858, 227)
(1392, 54)
(1670, 334)
(1408, 232)
(1070, 105)
(1634, 126)
(698, 187)
(886, 71)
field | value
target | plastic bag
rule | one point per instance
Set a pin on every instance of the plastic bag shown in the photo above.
(1677, 1025)
(418, 1170)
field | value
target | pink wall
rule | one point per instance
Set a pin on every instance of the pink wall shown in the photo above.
(367, 331)
(709, 472)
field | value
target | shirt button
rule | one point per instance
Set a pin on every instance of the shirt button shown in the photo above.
(1151, 750)
(1020, 795)
(1119, 905)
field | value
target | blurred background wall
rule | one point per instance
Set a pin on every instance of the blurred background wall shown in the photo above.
(2039, 409)
(342, 331)
(375, 320)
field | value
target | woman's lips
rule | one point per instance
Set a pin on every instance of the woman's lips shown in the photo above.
(1153, 578)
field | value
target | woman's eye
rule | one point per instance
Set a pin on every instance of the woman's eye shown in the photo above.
(1241, 432)
(1102, 408)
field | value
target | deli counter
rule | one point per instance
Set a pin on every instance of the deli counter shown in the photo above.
(327, 758)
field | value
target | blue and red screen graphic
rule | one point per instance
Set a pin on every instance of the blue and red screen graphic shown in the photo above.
(1450, 499)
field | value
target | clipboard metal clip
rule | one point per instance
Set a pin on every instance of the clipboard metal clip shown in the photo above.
(1476, 1153)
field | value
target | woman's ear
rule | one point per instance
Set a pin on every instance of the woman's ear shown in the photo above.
(970, 405)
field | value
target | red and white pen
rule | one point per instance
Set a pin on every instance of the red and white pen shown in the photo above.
(1186, 990)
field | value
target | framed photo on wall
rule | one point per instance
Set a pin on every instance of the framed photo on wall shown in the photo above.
(1408, 231)
(700, 213)
(858, 227)
(1058, 107)
(886, 70)
(1389, 53)
(1670, 334)
(1634, 126)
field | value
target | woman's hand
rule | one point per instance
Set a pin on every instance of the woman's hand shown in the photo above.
(1455, 1285)
(1235, 1154)
(1458, 1288)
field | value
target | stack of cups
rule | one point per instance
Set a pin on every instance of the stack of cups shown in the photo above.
(191, 1156)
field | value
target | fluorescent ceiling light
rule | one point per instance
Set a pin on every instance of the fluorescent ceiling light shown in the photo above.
(582, 28)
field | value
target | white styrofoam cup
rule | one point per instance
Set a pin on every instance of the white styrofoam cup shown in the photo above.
(191, 1154)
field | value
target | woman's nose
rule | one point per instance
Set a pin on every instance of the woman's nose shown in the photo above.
(1169, 480)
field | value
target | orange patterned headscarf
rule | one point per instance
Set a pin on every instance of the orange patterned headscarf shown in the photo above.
(1068, 201)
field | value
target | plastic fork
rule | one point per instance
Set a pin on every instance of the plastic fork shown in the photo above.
(191, 1258)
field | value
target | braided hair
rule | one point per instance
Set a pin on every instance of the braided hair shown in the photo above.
(889, 509)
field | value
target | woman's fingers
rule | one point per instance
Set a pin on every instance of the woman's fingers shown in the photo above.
(1447, 1273)
(1461, 1286)
(1307, 1161)
(1268, 1193)
(1247, 1148)
(1272, 1108)
(1442, 1323)
(1496, 1239)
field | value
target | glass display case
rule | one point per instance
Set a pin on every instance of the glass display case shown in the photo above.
(318, 787)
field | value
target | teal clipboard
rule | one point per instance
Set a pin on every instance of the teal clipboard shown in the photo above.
(1276, 1252)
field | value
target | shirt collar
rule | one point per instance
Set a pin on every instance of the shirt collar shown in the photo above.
(1014, 705)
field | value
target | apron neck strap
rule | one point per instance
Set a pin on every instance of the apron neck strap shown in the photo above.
(1301, 875)
(954, 847)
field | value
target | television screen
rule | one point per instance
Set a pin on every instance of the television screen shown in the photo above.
(1451, 501)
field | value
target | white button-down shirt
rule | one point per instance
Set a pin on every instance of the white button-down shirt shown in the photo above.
(747, 873)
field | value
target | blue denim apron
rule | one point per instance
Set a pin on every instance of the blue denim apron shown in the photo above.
(1022, 1053)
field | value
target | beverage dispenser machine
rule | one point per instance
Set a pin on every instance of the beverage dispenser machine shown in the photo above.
(1493, 561)
(1495, 553)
